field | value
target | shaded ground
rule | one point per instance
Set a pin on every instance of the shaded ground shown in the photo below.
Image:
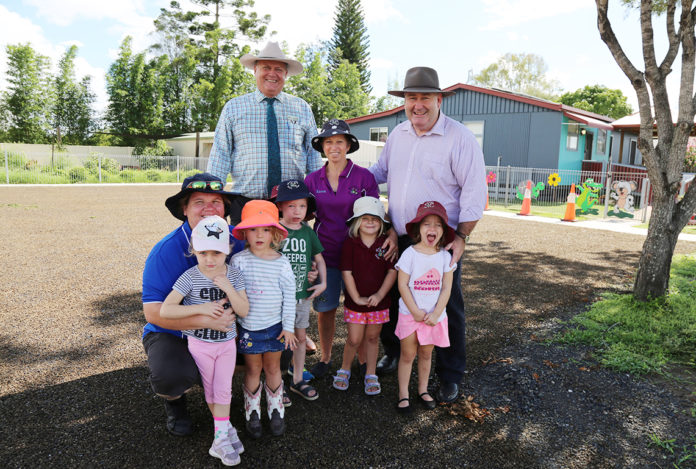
(73, 381)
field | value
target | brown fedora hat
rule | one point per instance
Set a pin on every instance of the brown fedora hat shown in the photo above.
(421, 80)
(272, 52)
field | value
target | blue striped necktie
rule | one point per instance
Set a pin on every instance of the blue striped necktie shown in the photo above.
(274, 173)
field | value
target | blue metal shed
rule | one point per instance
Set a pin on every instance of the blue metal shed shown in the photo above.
(523, 130)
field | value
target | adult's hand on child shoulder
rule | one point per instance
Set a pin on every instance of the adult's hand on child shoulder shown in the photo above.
(457, 247)
(313, 274)
(391, 244)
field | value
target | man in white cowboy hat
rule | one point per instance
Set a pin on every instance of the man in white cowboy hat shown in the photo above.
(432, 157)
(264, 137)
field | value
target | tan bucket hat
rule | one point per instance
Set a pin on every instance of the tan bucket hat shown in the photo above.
(272, 52)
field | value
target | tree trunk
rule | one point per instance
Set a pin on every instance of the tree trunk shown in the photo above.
(652, 278)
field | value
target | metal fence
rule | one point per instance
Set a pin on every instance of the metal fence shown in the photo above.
(72, 168)
(600, 193)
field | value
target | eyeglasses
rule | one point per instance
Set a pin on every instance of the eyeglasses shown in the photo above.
(198, 185)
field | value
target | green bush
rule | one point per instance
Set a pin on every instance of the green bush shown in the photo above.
(153, 175)
(15, 160)
(20, 176)
(108, 165)
(158, 148)
(112, 178)
(77, 174)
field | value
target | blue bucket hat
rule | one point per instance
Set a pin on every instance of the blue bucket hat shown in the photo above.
(294, 189)
(201, 182)
(335, 127)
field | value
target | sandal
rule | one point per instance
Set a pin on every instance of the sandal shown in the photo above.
(304, 389)
(405, 409)
(372, 386)
(286, 398)
(340, 381)
(320, 369)
(431, 404)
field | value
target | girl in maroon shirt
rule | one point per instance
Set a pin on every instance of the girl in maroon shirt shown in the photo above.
(367, 277)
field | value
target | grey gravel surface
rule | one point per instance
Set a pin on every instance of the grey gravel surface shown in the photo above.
(73, 379)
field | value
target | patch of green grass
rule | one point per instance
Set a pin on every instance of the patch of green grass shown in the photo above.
(688, 229)
(681, 453)
(547, 210)
(639, 338)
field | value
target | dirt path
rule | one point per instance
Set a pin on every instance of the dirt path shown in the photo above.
(73, 381)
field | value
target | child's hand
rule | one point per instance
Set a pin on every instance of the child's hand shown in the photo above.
(373, 300)
(419, 316)
(212, 309)
(316, 290)
(431, 319)
(361, 300)
(223, 282)
(290, 340)
(313, 273)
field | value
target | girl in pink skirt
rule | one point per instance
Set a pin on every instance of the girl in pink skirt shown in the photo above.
(425, 282)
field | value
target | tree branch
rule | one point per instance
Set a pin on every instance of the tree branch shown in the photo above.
(673, 37)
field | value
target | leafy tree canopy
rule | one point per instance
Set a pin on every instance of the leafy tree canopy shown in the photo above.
(523, 73)
(598, 99)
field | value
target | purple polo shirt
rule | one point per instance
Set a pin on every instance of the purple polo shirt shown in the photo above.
(444, 164)
(334, 208)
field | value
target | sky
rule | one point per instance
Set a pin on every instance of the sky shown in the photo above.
(454, 37)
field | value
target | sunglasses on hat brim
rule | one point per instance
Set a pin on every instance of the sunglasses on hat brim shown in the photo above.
(198, 185)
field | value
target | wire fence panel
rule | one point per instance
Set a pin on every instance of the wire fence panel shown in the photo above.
(75, 168)
(599, 193)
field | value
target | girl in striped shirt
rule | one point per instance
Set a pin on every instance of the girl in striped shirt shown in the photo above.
(207, 289)
(269, 327)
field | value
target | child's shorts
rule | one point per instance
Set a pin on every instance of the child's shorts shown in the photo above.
(427, 335)
(265, 340)
(302, 310)
(370, 317)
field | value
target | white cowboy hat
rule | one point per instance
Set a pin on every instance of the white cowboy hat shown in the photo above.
(272, 52)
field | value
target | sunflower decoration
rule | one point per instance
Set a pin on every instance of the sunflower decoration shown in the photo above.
(490, 177)
(554, 179)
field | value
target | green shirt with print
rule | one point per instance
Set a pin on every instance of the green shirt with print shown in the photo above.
(300, 247)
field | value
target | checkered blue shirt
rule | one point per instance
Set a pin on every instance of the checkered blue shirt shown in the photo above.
(240, 147)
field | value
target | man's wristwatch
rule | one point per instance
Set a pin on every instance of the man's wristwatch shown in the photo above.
(465, 237)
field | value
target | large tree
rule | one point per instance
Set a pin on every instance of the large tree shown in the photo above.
(350, 40)
(664, 159)
(598, 99)
(72, 109)
(203, 57)
(26, 103)
(524, 73)
(330, 92)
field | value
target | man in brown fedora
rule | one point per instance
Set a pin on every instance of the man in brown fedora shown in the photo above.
(264, 137)
(432, 157)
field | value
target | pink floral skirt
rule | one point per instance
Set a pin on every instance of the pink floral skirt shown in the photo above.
(370, 317)
(435, 335)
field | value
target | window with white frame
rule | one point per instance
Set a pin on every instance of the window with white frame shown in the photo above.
(633, 146)
(601, 141)
(572, 138)
(476, 128)
(378, 134)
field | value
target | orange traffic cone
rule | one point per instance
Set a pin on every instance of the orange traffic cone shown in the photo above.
(527, 201)
(486, 199)
(570, 206)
